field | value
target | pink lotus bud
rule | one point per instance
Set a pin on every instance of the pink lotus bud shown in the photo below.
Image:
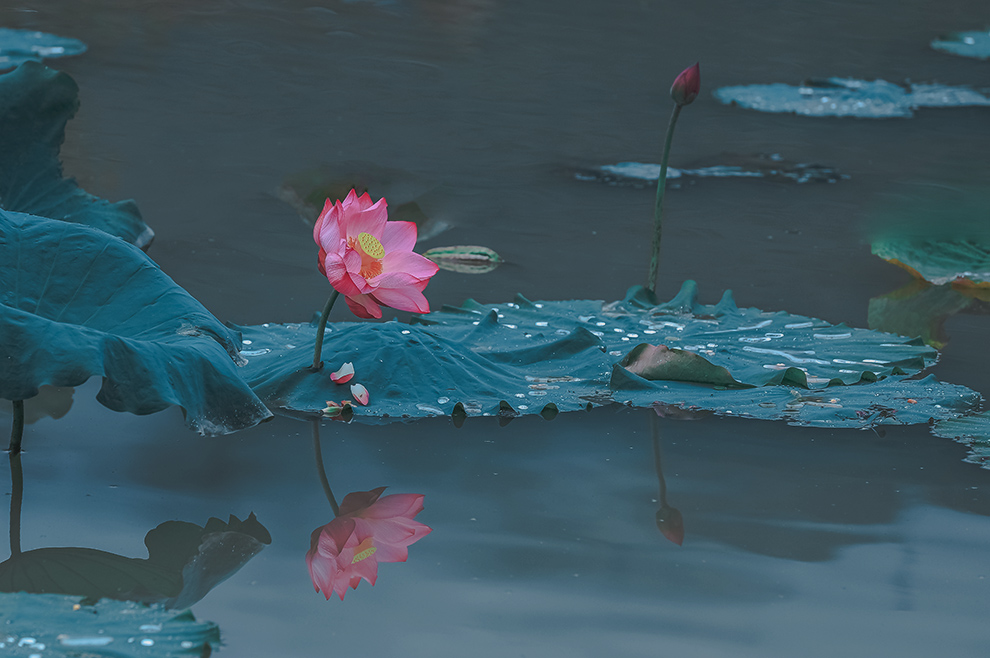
(686, 86)
(344, 374)
(360, 393)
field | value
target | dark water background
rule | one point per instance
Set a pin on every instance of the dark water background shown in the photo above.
(798, 541)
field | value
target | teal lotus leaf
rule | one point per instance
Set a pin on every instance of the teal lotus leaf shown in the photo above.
(844, 97)
(525, 357)
(938, 261)
(76, 302)
(105, 629)
(974, 44)
(921, 309)
(19, 46)
(185, 561)
(35, 105)
(973, 431)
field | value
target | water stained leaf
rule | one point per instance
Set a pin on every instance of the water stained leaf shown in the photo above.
(36, 102)
(464, 259)
(76, 302)
(19, 46)
(921, 309)
(846, 97)
(974, 44)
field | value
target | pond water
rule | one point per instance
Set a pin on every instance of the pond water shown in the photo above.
(544, 541)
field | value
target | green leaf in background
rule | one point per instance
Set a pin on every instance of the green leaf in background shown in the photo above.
(19, 46)
(307, 191)
(76, 302)
(35, 105)
(938, 261)
(845, 97)
(965, 44)
(464, 259)
(517, 358)
(57, 625)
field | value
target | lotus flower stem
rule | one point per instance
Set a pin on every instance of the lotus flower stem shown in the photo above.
(320, 330)
(16, 496)
(651, 282)
(322, 471)
(17, 431)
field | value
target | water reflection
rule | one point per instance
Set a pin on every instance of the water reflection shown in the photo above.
(185, 561)
(669, 519)
(367, 529)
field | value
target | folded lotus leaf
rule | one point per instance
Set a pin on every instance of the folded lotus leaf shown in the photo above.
(53, 624)
(845, 97)
(76, 302)
(974, 44)
(19, 46)
(35, 105)
(658, 362)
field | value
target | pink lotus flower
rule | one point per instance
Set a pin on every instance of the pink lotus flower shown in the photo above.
(369, 530)
(687, 85)
(369, 259)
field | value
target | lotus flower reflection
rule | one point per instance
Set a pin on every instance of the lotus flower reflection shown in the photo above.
(367, 531)
(369, 259)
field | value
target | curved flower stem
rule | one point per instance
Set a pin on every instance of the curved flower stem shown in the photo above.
(322, 471)
(651, 282)
(16, 496)
(17, 430)
(321, 329)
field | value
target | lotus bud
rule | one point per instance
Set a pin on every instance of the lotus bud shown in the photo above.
(686, 85)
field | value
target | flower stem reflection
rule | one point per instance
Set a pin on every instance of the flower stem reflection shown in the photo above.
(669, 519)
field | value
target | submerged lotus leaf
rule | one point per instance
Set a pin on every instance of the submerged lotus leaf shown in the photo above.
(106, 628)
(965, 44)
(938, 261)
(35, 105)
(517, 358)
(76, 302)
(19, 46)
(845, 97)
(973, 431)
(921, 309)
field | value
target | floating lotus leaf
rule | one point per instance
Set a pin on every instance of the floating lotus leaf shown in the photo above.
(464, 259)
(844, 97)
(965, 44)
(53, 624)
(973, 431)
(938, 261)
(76, 302)
(19, 46)
(517, 358)
(35, 105)
(768, 167)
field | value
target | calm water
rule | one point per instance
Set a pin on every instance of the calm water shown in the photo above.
(797, 541)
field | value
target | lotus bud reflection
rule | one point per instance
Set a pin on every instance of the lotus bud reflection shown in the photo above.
(671, 523)
(368, 530)
(687, 85)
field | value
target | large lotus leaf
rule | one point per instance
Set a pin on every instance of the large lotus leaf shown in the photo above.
(35, 105)
(973, 431)
(767, 167)
(57, 625)
(19, 46)
(921, 309)
(938, 261)
(77, 302)
(965, 44)
(844, 97)
(516, 358)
